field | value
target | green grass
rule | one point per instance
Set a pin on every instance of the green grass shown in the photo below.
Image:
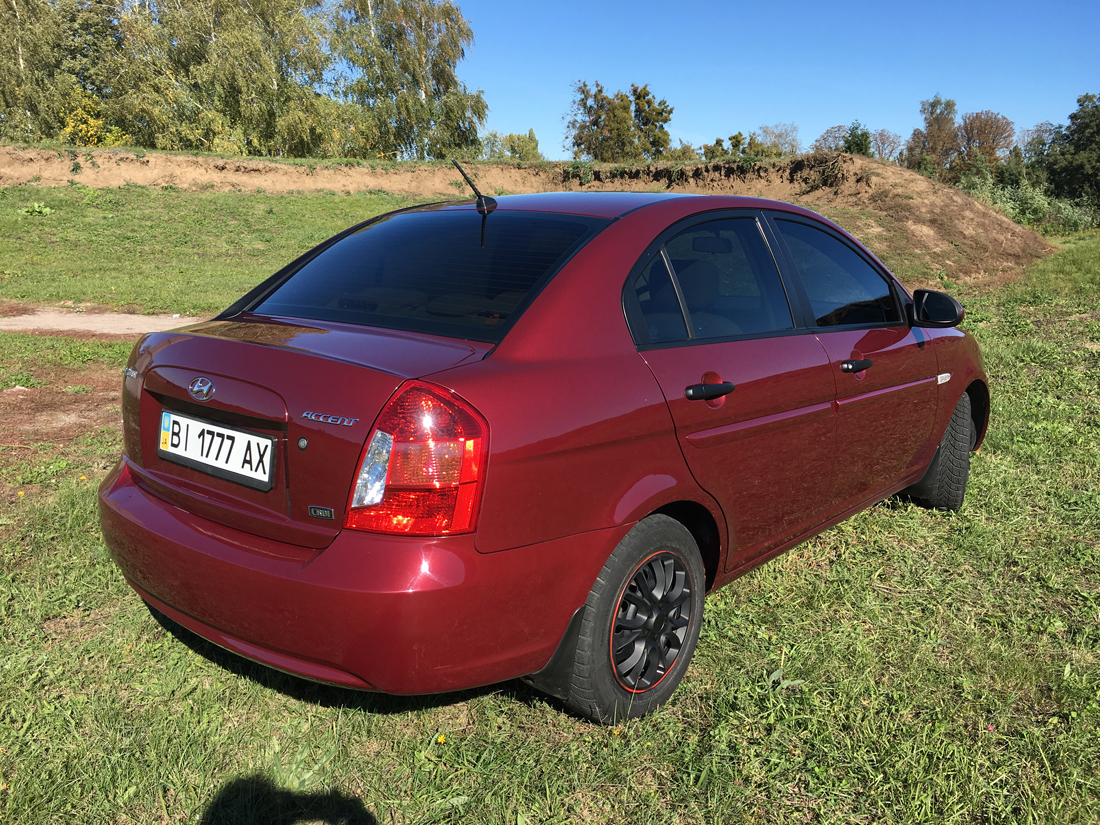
(905, 666)
(22, 355)
(135, 247)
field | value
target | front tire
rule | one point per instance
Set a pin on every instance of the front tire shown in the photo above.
(944, 485)
(641, 623)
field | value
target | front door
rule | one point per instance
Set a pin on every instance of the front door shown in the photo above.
(884, 413)
(885, 374)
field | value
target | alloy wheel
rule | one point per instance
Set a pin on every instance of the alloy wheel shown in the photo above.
(651, 622)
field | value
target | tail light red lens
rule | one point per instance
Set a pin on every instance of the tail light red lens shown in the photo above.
(422, 470)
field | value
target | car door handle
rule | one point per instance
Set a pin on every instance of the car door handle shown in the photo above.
(855, 366)
(704, 392)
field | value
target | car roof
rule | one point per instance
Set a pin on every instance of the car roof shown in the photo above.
(613, 204)
(594, 204)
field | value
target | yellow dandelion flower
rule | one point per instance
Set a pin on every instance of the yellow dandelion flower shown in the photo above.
(20, 492)
(83, 478)
(441, 739)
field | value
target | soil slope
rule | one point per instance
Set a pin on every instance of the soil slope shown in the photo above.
(926, 232)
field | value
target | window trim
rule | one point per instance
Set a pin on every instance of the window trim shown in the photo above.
(809, 319)
(684, 313)
(632, 310)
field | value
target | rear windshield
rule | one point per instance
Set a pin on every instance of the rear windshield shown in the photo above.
(430, 271)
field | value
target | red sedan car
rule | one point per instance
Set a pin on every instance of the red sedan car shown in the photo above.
(464, 443)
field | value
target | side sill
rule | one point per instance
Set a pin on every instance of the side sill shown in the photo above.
(741, 569)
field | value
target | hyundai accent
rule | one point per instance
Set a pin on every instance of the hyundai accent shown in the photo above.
(467, 442)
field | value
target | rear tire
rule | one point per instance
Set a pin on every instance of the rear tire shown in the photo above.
(641, 623)
(944, 485)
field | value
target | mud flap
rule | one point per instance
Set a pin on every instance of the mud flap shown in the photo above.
(556, 679)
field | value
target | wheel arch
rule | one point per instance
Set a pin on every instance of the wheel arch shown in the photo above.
(979, 409)
(702, 525)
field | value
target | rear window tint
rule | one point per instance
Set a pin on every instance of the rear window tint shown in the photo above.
(429, 271)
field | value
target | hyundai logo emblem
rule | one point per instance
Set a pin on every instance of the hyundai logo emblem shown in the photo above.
(201, 389)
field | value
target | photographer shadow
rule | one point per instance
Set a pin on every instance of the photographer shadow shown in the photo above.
(254, 800)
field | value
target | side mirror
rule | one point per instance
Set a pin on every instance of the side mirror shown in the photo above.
(935, 309)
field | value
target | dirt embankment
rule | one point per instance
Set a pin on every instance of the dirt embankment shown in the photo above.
(924, 230)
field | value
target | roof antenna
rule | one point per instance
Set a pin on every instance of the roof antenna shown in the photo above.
(484, 205)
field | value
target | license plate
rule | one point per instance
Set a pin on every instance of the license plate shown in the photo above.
(225, 452)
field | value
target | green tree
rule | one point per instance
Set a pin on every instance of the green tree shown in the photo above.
(1036, 145)
(719, 151)
(1074, 158)
(932, 149)
(90, 45)
(401, 59)
(761, 147)
(682, 152)
(514, 146)
(523, 147)
(492, 146)
(617, 128)
(601, 126)
(715, 151)
(225, 76)
(35, 93)
(279, 77)
(858, 140)
(650, 117)
(1013, 172)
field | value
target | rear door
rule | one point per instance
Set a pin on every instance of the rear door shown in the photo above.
(884, 372)
(706, 305)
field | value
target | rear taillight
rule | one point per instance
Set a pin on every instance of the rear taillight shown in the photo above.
(422, 469)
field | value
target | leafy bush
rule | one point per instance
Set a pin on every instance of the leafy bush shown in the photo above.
(578, 170)
(1028, 204)
(36, 208)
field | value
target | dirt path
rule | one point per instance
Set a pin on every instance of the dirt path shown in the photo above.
(31, 319)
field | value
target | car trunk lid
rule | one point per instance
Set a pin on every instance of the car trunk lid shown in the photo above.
(314, 389)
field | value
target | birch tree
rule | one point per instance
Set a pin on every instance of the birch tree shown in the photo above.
(401, 59)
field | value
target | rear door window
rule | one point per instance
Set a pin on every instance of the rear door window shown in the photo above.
(720, 275)
(445, 272)
(660, 307)
(729, 280)
(842, 287)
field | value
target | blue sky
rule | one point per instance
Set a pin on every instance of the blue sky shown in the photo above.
(732, 66)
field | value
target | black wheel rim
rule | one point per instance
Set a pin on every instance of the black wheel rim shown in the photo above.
(651, 623)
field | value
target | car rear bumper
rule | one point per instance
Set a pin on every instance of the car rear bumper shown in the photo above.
(391, 613)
